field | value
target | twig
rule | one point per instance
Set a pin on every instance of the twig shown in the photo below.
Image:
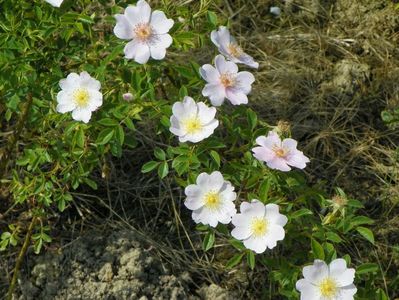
(307, 36)
(20, 258)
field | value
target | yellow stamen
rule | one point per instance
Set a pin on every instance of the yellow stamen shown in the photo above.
(339, 201)
(212, 200)
(227, 80)
(192, 125)
(81, 97)
(259, 227)
(328, 288)
(235, 50)
(280, 152)
(143, 31)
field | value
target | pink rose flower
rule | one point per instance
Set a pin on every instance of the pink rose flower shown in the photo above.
(279, 154)
(224, 81)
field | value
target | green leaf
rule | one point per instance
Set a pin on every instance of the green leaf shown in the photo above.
(86, 19)
(105, 136)
(8, 115)
(38, 246)
(252, 119)
(108, 122)
(317, 250)
(80, 137)
(90, 183)
(355, 203)
(208, 241)
(183, 92)
(120, 135)
(136, 80)
(165, 121)
(237, 244)
(159, 153)
(5, 235)
(386, 116)
(202, 227)
(329, 250)
(61, 204)
(130, 141)
(45, 237)
(367, 268)
(300, 213)
(235, 260)
(264, 189)
(13, 241)
(333, 237)
(79, 27)
(70, 127)
(163, 170)
(3, 245)
(129, 123)
(181, 164)
(149, 166)
(212, 18)
(251, 259)
(360, 220)
(380, 295)
(13, 102)
(347, 259)
(366, 233)
(215, 156)
(39, 12)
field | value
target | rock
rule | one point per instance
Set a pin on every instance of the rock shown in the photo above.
(348, 76)
(106, 274)
(215, 292)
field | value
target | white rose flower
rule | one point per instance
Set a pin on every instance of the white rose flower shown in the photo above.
(259, 226)
(146, 31)
(322, 282)
(211, 199)
(227, 45)
(56, 3)
(225, 81)
(79, 94)
(192, 121)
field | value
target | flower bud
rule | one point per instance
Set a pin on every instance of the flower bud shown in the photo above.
(283, 128)
(127, 97)
(275, 10)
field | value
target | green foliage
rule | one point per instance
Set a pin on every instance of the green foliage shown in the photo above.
(391, 117)
(56, 155)
(9, 237)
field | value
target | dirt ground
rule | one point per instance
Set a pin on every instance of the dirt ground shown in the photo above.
(114, 266)
(329, 68)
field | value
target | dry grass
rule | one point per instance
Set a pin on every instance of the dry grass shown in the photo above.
(330, 68)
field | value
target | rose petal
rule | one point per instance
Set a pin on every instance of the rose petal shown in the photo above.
(160, 22)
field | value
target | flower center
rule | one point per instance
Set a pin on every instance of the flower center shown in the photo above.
(339, 201)
(227, 80)
(81, 97)
(235, 50)
(193, 125)
(259, 227)
(280, 151)
(212, 200)
(328, 288)
(143, 31)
